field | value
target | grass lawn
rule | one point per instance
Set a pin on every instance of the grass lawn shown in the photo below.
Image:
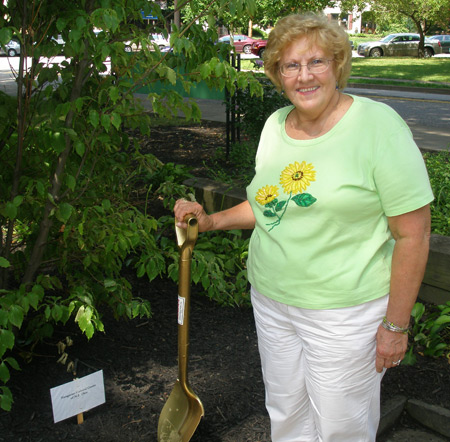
(413, 69)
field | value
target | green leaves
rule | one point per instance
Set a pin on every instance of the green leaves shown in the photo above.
(4, 263)
(439, 172)
(80, 147)
(304, 199)
(64, 212)
(429, 330)
(11, 207)
(218, 264)
(269, 213)
(6, 399)
(94, 118)
(5, 35)
(4, 371)
(116, 120)
(84, 320)
(276, 208)
(15, 316)
(6, 341)
(114, 94)
(106, 19)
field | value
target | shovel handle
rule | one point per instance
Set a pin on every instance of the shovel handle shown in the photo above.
(186, 238)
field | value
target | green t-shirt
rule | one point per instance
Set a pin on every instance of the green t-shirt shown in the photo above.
(321, 238)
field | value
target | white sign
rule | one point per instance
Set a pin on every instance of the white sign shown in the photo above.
(77, 396)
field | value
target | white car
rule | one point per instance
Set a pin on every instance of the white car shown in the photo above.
(159, 39)
(10, 49)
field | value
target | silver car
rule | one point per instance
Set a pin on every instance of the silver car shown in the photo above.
(445, 42)
(10, 49)
(399, 45)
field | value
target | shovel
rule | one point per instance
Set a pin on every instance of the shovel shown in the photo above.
(183, 410)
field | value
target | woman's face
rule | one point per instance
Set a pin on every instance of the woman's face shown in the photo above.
(310, 93)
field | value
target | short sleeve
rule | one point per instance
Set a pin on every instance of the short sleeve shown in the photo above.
(400, 174)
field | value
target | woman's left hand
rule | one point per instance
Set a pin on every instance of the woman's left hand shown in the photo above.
(391, 348)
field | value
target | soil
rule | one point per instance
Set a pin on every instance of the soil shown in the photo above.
(139, 357)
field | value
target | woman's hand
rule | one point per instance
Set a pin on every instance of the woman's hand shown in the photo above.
(391, 348)
(183, 207)
(236, 217)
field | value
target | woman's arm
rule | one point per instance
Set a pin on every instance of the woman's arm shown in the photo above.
(411, 232)
(237, 217)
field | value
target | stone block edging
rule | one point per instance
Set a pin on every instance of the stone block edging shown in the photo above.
(430, 416)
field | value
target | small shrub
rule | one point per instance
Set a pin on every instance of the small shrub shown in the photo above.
(438, 166)
(430, 333)
(255, 110)
(239, 168)
(218, 266)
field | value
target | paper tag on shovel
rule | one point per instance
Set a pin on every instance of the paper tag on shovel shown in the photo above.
(181, 304)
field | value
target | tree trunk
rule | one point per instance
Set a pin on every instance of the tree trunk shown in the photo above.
(6, 249)
(46, 223)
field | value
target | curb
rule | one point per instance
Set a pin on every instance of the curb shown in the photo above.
(422, 90)
(391, 411)
(216, 196)
(432, 417)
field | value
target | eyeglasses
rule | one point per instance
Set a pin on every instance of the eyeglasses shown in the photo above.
(316, 66)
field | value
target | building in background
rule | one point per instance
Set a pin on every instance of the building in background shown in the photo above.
(352, 21)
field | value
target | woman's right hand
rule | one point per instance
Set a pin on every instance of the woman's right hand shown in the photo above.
(183, 207)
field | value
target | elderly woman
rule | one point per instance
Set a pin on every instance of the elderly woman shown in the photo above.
(340, 210)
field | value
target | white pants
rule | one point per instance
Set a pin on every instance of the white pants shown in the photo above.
(319, 370)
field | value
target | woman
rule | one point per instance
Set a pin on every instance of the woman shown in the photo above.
(340, 210)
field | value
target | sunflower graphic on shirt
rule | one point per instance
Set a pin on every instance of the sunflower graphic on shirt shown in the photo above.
(294, 180)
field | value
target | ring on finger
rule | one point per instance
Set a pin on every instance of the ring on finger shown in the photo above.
(397, 362)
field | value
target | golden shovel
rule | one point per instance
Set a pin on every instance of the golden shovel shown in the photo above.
(183, 410)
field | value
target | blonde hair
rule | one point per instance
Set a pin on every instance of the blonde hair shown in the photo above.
(326, 34)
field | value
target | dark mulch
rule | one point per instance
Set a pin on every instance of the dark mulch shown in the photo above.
(139, 357)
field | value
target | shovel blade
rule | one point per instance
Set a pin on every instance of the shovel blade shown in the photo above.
(180, 415)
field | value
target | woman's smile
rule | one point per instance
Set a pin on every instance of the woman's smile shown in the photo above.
(309, 89)
(311, 93)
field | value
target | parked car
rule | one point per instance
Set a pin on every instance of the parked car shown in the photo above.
(445, 42)
(398, 45)
(11, 49)
(159, 39)
(258, 47)
(242, 43)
